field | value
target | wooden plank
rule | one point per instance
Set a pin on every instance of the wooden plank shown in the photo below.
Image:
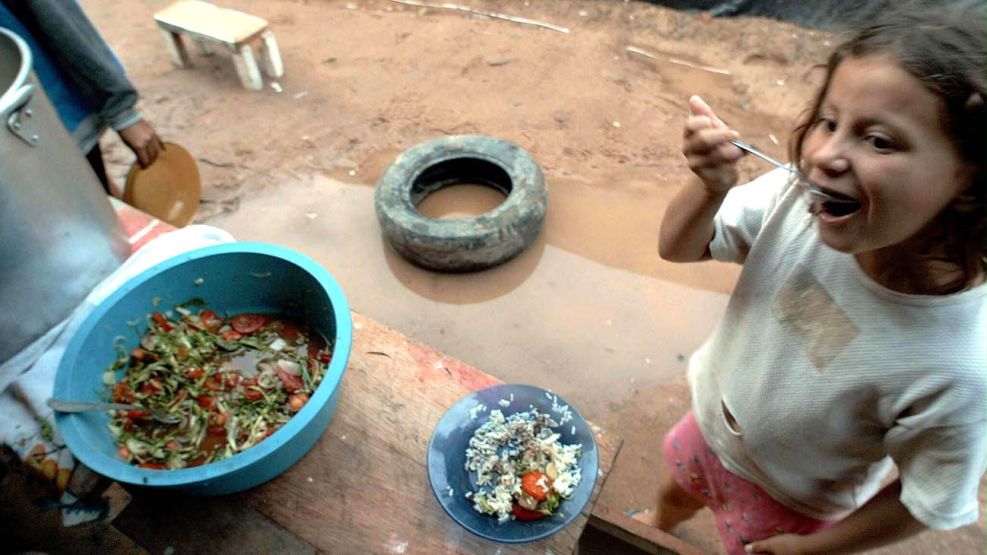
(646, 538)
(364, 486)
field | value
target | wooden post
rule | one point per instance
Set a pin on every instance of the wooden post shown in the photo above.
(204, 47)
(273, 65)
(246, 67)
(176, 48)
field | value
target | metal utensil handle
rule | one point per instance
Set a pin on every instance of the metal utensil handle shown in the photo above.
(744, 146)
(82, 406)
(802, 182)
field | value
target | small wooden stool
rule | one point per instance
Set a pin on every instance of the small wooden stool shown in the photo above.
(206, 24)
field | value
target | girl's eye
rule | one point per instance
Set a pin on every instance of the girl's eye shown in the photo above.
(879, 142)
(826, 124)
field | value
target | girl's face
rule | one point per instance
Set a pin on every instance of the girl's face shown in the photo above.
(879, 140)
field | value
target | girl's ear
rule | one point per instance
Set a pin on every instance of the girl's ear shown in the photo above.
(975, 102)
(968, 199)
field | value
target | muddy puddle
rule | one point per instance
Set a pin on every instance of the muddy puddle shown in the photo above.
(589, 298)
(614, 227)
(463, 200)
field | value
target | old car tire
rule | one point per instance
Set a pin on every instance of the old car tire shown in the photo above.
(465, 244)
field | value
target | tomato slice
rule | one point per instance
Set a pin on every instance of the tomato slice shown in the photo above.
(213, 383)
(162, 322)
(291, 382)
(248, 323)
(210, 320)
(230, 335)
(138, 414)
(151, 387)
(530, 485)
(123, 394)
(521, 513)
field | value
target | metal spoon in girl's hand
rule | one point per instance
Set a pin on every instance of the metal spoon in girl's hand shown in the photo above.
(799, 178)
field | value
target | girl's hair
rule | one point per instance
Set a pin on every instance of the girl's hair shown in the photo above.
(945, 47)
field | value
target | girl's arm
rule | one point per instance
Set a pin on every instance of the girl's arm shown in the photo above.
(881, 521)
(687, 227)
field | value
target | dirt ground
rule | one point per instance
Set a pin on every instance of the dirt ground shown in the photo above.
(589, 310)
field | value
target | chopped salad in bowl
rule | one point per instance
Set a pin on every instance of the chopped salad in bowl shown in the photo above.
(229, 382)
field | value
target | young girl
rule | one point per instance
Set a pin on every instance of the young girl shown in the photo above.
(855, 337)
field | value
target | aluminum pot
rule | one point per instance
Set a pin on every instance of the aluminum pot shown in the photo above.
(59, 235)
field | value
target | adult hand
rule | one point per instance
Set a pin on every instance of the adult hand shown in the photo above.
(144, 141)
(707, 149)
(782, 544)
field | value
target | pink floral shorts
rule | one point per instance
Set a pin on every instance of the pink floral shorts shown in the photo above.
(744, 512)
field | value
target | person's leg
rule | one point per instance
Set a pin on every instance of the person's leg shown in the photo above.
(95, 159)
(680, 492)
(675, 505)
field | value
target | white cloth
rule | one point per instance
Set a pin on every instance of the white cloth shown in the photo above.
(829, 376)
(27, 379)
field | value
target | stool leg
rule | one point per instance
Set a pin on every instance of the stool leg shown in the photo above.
(204, 47)
(271, 56)
(176, 48)
(246, 68)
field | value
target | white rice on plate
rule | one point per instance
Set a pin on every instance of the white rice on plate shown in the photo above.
(505, 448)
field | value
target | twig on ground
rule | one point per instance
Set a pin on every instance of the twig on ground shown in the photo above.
(495, 15)
(646, 54)
(216, 164)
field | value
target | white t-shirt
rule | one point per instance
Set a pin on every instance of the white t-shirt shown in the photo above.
(828, 376)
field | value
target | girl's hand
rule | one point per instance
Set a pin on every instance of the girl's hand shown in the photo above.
(707, 148)
(782, 544)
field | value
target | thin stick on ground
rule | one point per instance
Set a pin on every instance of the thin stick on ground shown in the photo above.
(495, 15)
(646, 54)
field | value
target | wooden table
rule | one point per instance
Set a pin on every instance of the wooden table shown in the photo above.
(363, 488)
(206, 24)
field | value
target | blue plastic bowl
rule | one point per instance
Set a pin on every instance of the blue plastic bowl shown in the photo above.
(230, 278)
(450, 480)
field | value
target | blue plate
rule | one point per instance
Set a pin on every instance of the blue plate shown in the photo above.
(447, 462)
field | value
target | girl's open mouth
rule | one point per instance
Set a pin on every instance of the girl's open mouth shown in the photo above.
(839, 207)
